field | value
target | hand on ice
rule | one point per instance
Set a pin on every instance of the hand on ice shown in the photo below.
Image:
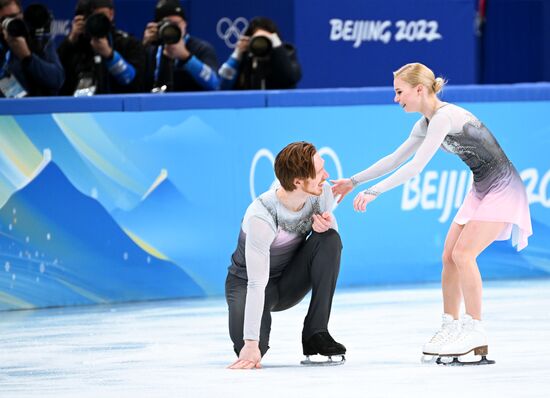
(249, 357)
(341, 187)
(322, 222)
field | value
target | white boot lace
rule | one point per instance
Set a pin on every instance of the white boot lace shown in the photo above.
(442, 335)
(467, 328)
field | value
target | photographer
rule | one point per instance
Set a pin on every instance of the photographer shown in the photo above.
(260, 60)
(177, 61)
(28, 60)
(98, 58)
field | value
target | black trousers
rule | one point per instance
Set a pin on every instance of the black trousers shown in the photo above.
(315, 267)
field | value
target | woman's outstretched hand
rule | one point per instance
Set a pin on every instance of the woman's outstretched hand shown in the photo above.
(341, 188)
(362, 200)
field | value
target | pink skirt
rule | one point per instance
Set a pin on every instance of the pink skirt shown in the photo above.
(508, 204)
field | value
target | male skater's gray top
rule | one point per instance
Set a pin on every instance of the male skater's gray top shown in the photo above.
(270, 236)
(457, 131)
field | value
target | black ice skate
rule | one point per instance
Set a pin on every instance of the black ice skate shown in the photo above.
(322, 343)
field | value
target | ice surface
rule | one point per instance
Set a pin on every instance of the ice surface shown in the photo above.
(181, 349)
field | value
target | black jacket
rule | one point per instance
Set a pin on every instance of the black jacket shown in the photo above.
(173, 74)
(279, 70)
(78, 61)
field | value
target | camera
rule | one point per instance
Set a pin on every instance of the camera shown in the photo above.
(35, 24)
(15, 27)
(168, 32)
(260, 46)
(98, 25)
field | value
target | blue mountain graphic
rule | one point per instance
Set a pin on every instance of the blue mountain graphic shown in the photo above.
(169, 222)
(60, 247)
(82, 173)
(162, 219)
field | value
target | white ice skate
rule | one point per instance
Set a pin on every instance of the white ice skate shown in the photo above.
(450, 328)
(472, 337)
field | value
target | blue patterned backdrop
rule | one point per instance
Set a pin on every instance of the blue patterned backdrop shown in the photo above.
(120, 206)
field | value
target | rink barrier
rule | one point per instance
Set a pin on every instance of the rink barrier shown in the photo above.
(264, 99)
(98, 201)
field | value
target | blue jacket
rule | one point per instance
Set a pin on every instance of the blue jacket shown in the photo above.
(40, 74)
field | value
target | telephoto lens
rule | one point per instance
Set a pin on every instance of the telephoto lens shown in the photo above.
(15, 27)
(98, 25)
(168, 32)
(260, 46)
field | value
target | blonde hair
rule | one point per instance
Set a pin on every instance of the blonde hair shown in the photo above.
(417, 73)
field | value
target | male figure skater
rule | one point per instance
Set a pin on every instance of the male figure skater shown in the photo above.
(287, 246)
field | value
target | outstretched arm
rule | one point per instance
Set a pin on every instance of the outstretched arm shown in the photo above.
(385, 165)
(259, 237)
(390, 162)
(438, 129)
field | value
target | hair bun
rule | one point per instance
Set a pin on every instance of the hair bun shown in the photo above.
(438, 84)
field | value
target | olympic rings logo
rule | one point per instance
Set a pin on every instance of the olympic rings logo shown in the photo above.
(266, 153)
(230, 31)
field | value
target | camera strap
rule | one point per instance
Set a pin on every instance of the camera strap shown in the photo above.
(9, 85)
(158, 57)
(160, 49)
(4, 70)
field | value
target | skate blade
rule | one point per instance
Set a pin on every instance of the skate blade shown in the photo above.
(428, 358)
(454, 361)
(328, 362)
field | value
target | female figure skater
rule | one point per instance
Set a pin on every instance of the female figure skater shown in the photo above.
(496, 208)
